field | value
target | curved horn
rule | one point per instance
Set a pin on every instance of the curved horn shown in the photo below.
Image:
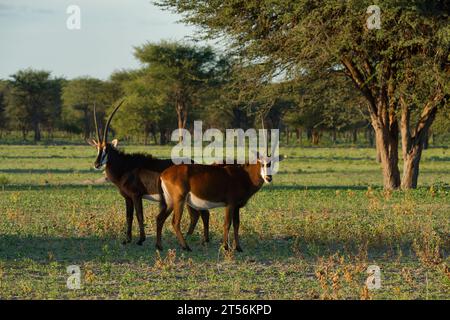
(105, 135)
(265, 136)
(96, 125)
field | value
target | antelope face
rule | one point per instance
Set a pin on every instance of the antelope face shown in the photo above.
(102, 156)
(102, 153)
(265, 165)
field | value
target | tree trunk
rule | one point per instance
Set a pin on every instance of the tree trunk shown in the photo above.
(355, 136)
(37, 131)
(162, 137)
(24, 133)
(146, 134)
(426, 142)
(414, 142)
(378, 159)
(181, 108)
(309, 134)
(315, 137)
(387, 145)
(334, 136)
(298, 133)
(153, 133)
(36, 126)
(411, 167)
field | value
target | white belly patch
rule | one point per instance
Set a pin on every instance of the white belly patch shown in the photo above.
(152, 197)
(200, 204)
(167, 197)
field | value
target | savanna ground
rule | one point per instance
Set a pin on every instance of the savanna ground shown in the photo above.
(310, 235)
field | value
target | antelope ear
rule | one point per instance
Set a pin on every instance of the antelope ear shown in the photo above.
(114, 143)
(281, 157)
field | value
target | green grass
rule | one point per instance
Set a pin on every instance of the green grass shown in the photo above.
(310, 235)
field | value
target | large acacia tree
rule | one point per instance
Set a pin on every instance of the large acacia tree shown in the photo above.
(402, 69)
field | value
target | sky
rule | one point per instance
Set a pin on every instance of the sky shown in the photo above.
(34, 33)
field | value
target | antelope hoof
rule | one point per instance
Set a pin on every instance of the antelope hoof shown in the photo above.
(238, 249)
(140, 242)
(124, 242)
(187, 249)
(159, 247)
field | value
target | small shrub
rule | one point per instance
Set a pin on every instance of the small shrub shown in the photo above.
(4, 180)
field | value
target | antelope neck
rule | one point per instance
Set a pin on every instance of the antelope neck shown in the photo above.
(254, 172)
(115, 164)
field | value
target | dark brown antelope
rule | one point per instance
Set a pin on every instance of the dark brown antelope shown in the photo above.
(205, 187)
(137, 177)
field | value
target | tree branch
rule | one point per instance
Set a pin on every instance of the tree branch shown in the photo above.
(359, 80)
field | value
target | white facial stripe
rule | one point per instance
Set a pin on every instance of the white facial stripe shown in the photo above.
(264, 171)
(104, 157)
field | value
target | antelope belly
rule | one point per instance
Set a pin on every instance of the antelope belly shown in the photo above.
(166, 194)
(200, 204)
(152, 197)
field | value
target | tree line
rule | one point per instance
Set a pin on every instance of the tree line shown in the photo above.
(179, 83)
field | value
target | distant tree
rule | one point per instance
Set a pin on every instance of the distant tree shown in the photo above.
(145, 111)
(179, 73)
(32, 95)
(53, 121)
(326, 102)
(79, 96)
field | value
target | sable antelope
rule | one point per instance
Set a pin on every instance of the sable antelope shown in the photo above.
(137, 177)
(205, 187)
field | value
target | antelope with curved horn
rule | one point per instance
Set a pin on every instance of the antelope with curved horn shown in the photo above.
(209, 186)
(137, 177)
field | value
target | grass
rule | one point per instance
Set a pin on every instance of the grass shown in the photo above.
(310, 235)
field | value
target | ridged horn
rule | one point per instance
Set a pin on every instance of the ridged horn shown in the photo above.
(265, 136)
(105, 135)
(97, 129)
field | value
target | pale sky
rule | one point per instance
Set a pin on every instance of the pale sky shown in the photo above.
(33, 33)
